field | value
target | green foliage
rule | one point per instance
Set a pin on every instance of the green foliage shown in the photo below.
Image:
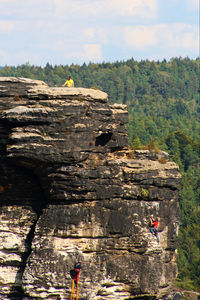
(189, 232)
(186, 152)
(164, 113)
(135, 143)
(144, 193)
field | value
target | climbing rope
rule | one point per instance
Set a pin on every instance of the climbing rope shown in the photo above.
(72, 297)
(73, 293)
(77, 292)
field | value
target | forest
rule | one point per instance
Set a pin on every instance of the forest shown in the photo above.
(163, 101)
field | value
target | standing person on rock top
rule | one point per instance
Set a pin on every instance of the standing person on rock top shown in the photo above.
(154, 226)
(69, 82)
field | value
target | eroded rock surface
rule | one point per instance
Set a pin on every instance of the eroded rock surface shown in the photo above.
(71, 189)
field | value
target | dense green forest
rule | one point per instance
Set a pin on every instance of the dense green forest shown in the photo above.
(164, 111)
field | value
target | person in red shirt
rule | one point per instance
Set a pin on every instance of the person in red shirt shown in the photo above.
(75, 273)
(77, 269)
(154, 226)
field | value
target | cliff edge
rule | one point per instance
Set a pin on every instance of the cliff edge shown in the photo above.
(70, 188)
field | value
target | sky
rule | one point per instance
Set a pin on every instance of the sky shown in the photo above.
(65, 32)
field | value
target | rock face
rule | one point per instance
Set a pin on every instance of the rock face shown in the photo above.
(70, 188)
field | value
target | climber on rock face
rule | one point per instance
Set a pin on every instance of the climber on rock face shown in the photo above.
(76, 271)
(154, 226)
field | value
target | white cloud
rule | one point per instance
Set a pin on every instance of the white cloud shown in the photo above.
(89, 33)
(26, 9)
(7, 26)
(86, 53)
(69, 8)
(139, 37)
(95, 35)
(178, 36)
(137, 8)
(91, 53)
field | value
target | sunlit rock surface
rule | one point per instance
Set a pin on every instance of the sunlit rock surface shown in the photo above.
(70, 188)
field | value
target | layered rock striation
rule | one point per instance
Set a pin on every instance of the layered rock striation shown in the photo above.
(70, 188)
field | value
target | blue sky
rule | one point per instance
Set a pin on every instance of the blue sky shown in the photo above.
(78, 31)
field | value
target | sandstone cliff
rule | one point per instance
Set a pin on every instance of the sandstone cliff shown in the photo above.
(71, 189)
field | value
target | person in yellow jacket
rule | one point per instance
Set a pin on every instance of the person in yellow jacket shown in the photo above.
(69, 82)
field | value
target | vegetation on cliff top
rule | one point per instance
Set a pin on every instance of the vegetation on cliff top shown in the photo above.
(163, 104)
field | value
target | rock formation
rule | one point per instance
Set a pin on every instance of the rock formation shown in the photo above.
(70, 188)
